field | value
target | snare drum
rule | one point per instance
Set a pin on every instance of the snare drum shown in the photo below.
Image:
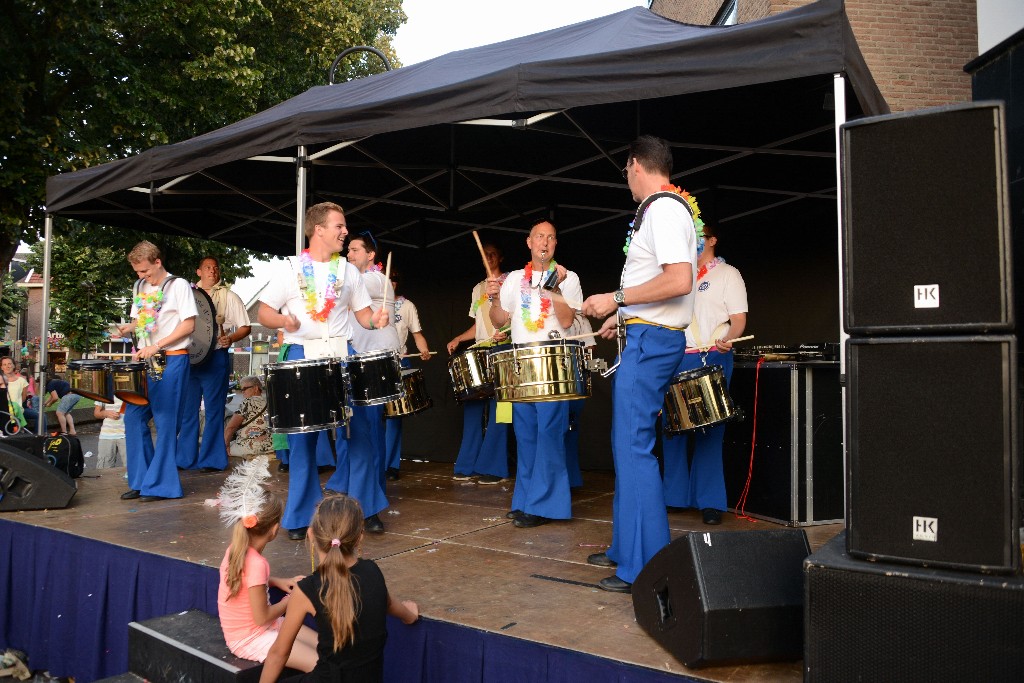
(541, 371)
(415, 399)
(471, 378)
(374, 377)
(306, 395)
(130, 383)
(697, 399)
(90, 377)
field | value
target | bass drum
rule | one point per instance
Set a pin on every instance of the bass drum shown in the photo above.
(204, 336)
(91, 378)
(541, 371)
(415, 399)
(306, 395)
(697, 399)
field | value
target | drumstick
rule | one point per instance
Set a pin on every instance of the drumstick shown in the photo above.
(737, 339)
(387, 279)
(416, 355)
(480, 246)
(575, 336)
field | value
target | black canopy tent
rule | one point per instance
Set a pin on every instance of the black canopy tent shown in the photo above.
(492, 137)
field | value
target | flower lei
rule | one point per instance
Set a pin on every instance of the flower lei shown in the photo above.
(149, 306)
(329, 293)
(698, 224)
(703, 270)
(545, 302)
(483, 297)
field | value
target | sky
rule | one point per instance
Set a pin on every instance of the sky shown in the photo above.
(436, 27)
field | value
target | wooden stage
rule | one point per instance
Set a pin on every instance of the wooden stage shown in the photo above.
(449, 547)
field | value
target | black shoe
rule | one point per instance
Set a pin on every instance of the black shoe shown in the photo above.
(711, 516)
(528, 521)
(150, 499)
(513, 514)
(373, 525)
(210, 470)
(601, 560)
(391, 474)
(489, 479)
(130, 494)
(673, 508)
(614, 584)
(324, 468)
(282, 467)
(297, 534)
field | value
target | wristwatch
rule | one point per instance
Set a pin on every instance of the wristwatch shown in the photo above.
(620, 297)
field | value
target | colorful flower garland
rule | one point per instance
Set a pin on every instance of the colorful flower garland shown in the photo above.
(698, 223)
(149, 306)
(525, 293)
(703, 270)
(329, 293)
(483, 297)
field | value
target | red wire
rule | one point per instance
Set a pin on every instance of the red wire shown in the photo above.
(741, 505)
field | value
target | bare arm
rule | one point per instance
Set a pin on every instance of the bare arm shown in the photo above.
(231, 427)
(406, 610)
(182, 330)
(421, 345)
(262, 613)
(468, 335)
(268, 317)
(298, 607)
(370, 319)
(675, 279)
(737, 323)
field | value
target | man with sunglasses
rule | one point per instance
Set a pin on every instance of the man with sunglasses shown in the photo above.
(536, 301)
(309, 295)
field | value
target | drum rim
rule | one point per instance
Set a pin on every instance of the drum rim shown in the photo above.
(299, 362)
(547, 343)
(128, 365)
(372, 355)
(82, 362)
(694, 373)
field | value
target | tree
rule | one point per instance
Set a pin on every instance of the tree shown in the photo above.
(94, 273)
(12, 300)
(90, 81)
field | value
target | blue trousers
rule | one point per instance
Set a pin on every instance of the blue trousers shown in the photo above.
(572, 443)
(154, 470)
(702, 484)
(482, 451)
(393, 436)
(640, 523)
(207, 383)
(542, 480)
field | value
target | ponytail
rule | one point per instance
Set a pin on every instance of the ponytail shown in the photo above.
(336, 528)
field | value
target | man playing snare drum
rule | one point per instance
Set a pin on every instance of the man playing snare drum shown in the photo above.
(163, 317)
(314, 295)
(536, 301)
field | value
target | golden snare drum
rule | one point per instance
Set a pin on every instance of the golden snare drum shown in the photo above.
(130, 383)
(415, 399)
(697, 399)
(541, 371)
(471, 378)
(91, 378)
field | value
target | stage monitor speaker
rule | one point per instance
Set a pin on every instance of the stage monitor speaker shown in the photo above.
(875, 621)
(926, 239)
(932, 451)
(28, 482)
(717, 597)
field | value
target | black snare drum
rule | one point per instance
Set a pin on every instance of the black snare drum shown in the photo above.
(374, 378)
(91, 378)
(305, 395)
(130, 383)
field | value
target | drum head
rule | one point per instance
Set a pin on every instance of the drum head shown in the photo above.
(697, 373)
(204, 336)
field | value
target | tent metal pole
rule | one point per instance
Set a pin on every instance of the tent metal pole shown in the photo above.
(301, 169)
(839, 98)
(44, 332)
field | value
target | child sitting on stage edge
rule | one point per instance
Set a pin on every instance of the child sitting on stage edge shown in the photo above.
(250, 623)
(348, 599)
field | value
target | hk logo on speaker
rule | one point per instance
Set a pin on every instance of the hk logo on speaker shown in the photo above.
(926, 296)
(926, 529)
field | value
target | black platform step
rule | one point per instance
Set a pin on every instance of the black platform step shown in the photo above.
(188, 646)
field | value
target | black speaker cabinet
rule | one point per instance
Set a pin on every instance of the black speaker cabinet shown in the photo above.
(932, 451)
(926, 243)
(28, 482)
(873, 621)
(725, 596)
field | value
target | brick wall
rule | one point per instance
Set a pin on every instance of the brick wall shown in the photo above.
(916, 49)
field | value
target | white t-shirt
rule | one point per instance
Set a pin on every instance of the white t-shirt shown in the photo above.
(364, 340)
(511, 300)
(480, 311)
(111, 428)
(282, 293)
(720, 293)
(178, 304)
(234, 312)
(666, 235)
(407, 319)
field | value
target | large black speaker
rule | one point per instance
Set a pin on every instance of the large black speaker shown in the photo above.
(926, 242)
(873, 621)
(933, 455)
(725, 596)
(28, 482)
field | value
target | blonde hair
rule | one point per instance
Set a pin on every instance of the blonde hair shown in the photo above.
(317, 214)
(241, 538)
(144, 251)
(338, 518)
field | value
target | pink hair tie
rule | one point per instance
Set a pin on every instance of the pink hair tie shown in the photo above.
(335, 543)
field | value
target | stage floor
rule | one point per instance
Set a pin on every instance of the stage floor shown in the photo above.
(449, 547)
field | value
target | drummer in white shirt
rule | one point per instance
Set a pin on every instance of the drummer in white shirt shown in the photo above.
(542, 481)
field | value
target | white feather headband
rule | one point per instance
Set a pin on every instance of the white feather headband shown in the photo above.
(242, 495)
